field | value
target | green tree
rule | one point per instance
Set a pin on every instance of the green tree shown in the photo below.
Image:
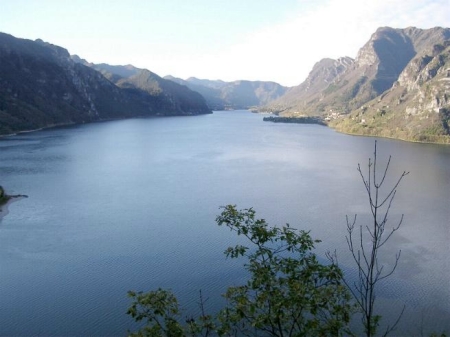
(161, 313)
(289, 292)
(159, 309)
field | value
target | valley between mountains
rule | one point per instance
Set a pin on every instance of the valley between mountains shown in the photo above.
(397, 86)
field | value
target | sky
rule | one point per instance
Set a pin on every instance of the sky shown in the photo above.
(267, 40)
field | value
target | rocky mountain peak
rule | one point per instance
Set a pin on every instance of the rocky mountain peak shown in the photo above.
(388, 49)
(59, 53)
(326, 70)
(345, 61)
(417, 105)
(400, 80)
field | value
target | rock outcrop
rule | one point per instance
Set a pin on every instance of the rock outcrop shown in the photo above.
(416, 107)
(303, 98)
(397, 86)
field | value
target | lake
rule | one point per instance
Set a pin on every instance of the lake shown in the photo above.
(131, 205)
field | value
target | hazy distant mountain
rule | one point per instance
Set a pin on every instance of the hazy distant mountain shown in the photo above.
(398, 86)
(41, 86)
(214, 84)
(219, 95)
(222, 95)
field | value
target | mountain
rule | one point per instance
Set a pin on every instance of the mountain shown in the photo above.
(42, 86)
(112, 73)
(144, 85)
(398, 86)
(222, 95)
(305, 96)
(210, 90)
(416, 107)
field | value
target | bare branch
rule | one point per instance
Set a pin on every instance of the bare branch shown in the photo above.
(390, 329)
(369, 267)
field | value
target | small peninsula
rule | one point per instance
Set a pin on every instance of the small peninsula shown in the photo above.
(298, 120)
(5, 199)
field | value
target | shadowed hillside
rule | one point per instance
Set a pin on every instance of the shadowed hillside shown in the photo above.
(41, 86)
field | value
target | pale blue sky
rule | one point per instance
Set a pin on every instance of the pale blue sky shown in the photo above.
(276, 40)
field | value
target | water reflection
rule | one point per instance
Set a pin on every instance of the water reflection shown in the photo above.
(131, 205)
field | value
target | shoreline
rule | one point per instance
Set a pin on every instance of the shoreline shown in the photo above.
(4, 207)
(69, 124)
(387, 137)
(318, 120)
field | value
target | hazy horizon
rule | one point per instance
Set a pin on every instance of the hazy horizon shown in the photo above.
(270, 41)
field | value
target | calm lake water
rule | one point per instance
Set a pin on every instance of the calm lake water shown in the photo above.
(131, 205)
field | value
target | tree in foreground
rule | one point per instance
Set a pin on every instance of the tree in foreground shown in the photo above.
(289, 293)
(160, 310)
(366, 242)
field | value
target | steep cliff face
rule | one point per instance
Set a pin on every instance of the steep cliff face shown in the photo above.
(416, 107)
(325, 72)
(402, 73)
(429, 89)
(41, 86)
(306, 97)
(376, 68)
(384, 57)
